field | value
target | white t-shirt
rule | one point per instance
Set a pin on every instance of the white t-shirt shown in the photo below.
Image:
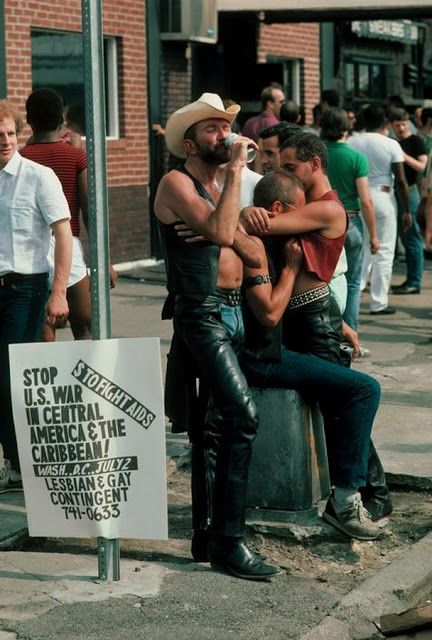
(381, 153)
(31, 200)
(249, 179)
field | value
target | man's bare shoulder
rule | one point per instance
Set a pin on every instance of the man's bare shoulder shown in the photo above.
(169, 193)
(175, 179)
(177, 198)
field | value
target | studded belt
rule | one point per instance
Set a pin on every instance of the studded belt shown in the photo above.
(230, 297)
(304, 298)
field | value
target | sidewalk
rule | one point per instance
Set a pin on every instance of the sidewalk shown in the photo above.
(401, 359)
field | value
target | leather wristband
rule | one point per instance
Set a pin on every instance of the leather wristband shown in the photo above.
(261, 279)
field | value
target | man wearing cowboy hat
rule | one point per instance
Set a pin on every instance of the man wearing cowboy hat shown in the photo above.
(204, 282)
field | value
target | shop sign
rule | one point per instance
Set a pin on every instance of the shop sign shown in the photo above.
(396, 30)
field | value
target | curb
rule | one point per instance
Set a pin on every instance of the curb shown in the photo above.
(403, 583)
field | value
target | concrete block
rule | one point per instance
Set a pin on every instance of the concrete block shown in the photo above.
(289, 468)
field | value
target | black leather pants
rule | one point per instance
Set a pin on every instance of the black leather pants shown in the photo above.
(221, 452)
(317, 328)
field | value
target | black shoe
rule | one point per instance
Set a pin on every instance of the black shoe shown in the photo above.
(387, 311)
(378, 509)
(240, 561)
(405, 290)
(199, 546)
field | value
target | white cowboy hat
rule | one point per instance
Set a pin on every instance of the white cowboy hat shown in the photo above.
(209, 105)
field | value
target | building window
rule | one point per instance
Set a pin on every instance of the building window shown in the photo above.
(288, 72)
(365, 80)
(57, 62)
(292, 74)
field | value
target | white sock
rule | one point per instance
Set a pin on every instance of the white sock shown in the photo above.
(343, 495)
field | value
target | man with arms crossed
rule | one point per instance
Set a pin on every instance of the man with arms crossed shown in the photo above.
(203, 285)
(415, 156)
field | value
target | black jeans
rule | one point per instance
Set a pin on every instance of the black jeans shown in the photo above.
(221, 450)
(316, 328)
(22, 309)
(351, 397)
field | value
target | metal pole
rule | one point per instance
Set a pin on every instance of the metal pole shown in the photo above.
(97, 184)
(108, 556)
(98, 211)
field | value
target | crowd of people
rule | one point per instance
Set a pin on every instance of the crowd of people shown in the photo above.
(264, 278)
(378, 164)
(265, 269)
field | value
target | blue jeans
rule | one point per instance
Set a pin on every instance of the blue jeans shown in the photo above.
(413, 242)
(351, 397)
(232, 320)
(354, 254)
(22, 310)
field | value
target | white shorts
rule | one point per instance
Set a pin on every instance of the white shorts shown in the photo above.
(78, 268)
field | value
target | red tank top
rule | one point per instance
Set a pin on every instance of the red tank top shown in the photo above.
(321, 254)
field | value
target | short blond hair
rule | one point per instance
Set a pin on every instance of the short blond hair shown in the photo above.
(9, 110)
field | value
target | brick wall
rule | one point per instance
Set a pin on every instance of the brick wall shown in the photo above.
(127, 158)
(300, 41)
(176, 85)
(176, 76)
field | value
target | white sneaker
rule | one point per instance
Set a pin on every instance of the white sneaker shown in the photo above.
(351, 518)
(4, 475)
(14, 477)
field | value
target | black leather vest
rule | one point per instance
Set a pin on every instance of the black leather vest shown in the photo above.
(192, 268)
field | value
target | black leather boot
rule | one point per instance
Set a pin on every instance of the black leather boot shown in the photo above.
(235, 557)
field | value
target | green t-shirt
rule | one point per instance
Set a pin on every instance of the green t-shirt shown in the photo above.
(427, 139)
(344, 167)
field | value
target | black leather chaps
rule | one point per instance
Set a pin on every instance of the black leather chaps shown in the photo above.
(221, 449)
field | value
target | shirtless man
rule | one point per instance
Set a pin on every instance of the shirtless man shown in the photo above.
(352, 397)
(204, 301)
(321, 226)
(312, 321)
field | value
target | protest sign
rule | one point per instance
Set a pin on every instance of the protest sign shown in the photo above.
(90, 427)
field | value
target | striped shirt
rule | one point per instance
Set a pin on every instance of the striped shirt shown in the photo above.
(67, 162)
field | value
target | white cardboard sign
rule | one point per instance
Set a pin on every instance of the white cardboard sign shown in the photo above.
(90, 426)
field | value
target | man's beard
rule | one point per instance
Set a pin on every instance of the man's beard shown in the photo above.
(219, 155)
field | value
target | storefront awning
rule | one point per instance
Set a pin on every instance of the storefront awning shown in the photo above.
(279, 10)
